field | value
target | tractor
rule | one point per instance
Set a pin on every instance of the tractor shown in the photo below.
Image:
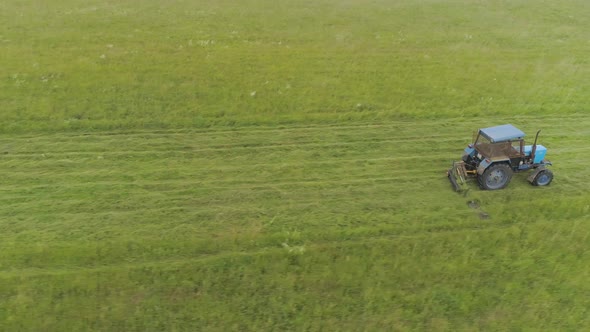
(495, 154)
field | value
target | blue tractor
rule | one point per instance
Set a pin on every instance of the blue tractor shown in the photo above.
(495, 154)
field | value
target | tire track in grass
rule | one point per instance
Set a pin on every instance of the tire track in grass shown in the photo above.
(260, 143)
(425, 146)
(17, 161)
(236, 146)
(394, 126)
(557, 121)
(403, 175)
(23, 174)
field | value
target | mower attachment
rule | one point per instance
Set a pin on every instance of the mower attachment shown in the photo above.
(458, 176)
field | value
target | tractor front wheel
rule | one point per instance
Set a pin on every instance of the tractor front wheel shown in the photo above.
(544, 178)
(495, 177)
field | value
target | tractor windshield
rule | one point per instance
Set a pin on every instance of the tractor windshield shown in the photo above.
(496, 150)
(481, 139)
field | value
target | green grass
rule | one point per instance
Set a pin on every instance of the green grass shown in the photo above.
(186, 64)
(270, 165)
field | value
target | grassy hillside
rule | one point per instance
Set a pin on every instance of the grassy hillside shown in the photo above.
(275, 165)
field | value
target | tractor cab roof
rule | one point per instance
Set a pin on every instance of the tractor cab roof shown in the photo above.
(502, 133)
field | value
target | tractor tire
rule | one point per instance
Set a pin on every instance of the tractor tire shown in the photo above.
(495, 177)
(544, 178)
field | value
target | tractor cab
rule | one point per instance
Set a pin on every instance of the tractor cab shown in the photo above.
(501, 143)
(506, 143)
(497, 152)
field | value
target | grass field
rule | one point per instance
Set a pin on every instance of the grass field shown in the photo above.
(276, 165)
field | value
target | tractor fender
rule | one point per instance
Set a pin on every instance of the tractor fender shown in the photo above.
(484, 164)
(537, 170)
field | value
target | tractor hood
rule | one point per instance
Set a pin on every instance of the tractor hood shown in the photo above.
(539, 153)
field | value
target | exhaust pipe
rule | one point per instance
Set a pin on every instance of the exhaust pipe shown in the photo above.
(535, 146)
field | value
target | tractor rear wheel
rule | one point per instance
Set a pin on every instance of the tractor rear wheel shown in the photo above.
(495, 177)
(544, 178)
